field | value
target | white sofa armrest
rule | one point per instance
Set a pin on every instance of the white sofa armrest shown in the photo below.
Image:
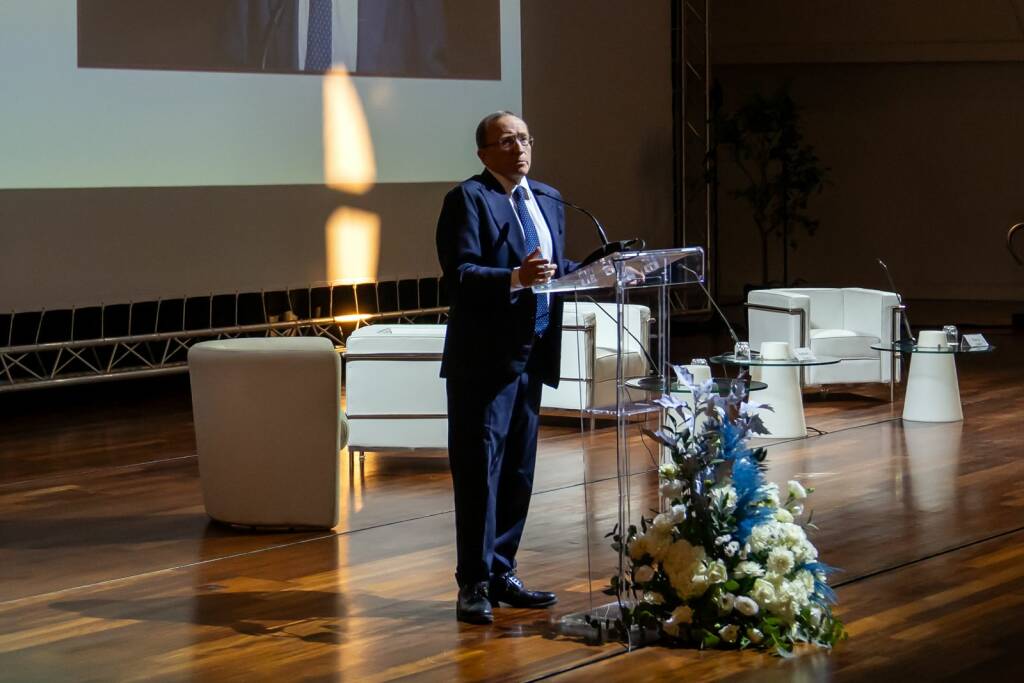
(578, 344)
(869, 311)
(777, 315)
(875, 312)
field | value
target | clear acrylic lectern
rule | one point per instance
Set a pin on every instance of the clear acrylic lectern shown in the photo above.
(653, 273)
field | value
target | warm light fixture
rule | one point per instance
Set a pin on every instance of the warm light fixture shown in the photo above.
(349, 163)
(352, 237)
(352, 317)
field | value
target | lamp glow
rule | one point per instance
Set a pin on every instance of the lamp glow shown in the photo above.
(352, 237)
(352, 317)
(349, 163)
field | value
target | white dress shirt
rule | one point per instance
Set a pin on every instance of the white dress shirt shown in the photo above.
(344, 33)
(543, 231)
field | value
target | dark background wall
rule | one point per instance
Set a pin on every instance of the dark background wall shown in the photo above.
(915, 106)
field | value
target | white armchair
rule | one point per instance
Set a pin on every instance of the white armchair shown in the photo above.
(833, 322)
(589, 341)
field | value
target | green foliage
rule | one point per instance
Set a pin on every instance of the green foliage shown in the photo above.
(764, 140)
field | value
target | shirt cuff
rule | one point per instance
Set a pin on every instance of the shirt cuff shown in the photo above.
(514, 285)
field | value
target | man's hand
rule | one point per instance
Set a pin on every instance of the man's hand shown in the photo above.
(535, 270)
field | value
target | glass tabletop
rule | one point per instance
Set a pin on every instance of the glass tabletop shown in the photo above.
(757, 361)
(912, 347)
(723, 385)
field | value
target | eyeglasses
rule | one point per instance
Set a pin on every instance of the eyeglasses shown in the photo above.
(508, 142)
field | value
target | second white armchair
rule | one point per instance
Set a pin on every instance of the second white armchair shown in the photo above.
(844, 323)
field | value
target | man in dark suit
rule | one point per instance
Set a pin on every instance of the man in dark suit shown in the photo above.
(498, 235)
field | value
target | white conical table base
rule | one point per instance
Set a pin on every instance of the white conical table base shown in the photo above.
(933, 392)
(786, 419)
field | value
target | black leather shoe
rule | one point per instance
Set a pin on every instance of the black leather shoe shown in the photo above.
(509, 588)
(473, 606)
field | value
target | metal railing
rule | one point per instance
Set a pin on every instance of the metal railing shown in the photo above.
(32, 358)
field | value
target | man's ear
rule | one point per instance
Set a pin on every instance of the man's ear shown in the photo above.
(480, 155)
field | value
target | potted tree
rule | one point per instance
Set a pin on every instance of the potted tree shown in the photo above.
(764, 140)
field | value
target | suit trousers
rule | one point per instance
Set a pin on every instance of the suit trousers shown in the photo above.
(492, 451)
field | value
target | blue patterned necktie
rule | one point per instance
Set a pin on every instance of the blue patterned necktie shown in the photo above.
(532, 242)
(318, 36)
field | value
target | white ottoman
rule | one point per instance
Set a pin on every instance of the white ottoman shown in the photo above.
(269, 429)
(395, 396)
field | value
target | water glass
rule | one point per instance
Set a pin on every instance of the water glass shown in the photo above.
(952, 335)
(742, 351)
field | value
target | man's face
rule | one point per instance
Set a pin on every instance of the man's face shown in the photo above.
(504, 151)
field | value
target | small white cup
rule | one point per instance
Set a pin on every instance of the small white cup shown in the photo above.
(775, 351)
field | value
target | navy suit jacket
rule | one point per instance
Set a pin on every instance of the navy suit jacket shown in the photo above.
(490, 329)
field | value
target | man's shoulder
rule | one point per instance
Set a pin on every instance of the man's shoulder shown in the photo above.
(544, 188)
(472, 185)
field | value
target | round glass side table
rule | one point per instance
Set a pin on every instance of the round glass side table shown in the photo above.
(933, 391)
(723, 385)
(786, 419)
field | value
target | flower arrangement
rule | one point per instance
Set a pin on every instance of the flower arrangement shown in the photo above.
(728, 562)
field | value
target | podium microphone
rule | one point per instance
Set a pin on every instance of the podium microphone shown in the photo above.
(711, 300)
(899, 297)
(607, 248)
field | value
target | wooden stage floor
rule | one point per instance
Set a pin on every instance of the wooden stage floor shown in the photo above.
(110, 570)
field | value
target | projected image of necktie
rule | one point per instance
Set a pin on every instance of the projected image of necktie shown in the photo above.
(318, 36)
(532, 242)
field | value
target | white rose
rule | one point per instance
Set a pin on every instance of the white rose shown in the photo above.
(748, 568)
(643, 573)
(669, 470)
(755, 635)
(638, 547)
(797, 490)
(731, 549)
(816, 615)
(804, 552)
(721, 540)
(653, 598)
(783, 515)
(683, 557)
(666, 521)
(763, 592)
(683, 563)
(681, 615)
(746, 606)
(763, 536)
(698, 585)
(792, 534)
(729, 633)
(780, 561)
(671, 488)
(798, 593)
(796, 509)
(657, 544)
(725, 602)
(771, 493)
(717, 573)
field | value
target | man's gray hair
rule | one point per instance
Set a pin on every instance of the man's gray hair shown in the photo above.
(485, 123)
